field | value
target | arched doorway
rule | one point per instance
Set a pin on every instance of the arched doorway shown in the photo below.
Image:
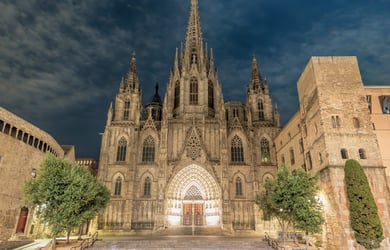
(193, 198)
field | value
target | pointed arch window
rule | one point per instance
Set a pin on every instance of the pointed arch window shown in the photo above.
(193, 91)
(118, 186)
(239, 186)
(237, 150)
(176, 103)
(265, 150)
(126, 110)
(260, 108)
(211, 95)
(147, 186)
(148, 150)
(121, 151)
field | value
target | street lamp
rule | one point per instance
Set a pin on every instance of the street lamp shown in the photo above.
(283, 232)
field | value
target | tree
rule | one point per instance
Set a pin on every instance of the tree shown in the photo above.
(67, 195)
(307, 207)
(292, 199)
(363, 212)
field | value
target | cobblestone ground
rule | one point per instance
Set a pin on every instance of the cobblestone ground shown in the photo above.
(180, 242)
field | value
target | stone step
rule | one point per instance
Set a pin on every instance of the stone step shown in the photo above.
(194, 231)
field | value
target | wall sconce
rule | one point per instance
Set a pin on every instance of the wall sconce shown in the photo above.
(33, 173)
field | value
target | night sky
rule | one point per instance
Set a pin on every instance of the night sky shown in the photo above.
(61, 61)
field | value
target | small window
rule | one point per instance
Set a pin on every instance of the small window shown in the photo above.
(265, 150)
(369, 102)
(385, 101)
(336, 122)
(7, 128)
(118, 186)
(309, 161)
(25, 137)
(239, 187)
(13, 132)
(31, 140)
(20, 135)
(1, 126)
(121, 150)
(344, 154)
(260, 107)
(147, 186)
(362, 154)
(320, 158)
(193, 91)
(235, 112)
(126, 111)
(356, 122)
(292, 157)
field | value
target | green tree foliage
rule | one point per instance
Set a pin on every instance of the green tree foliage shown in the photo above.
(292, 200)
(67, 195)
(363, 211)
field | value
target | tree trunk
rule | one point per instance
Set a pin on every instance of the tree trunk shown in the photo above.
(307, 240)
(80, 231)
(67, 237)
(53, 243)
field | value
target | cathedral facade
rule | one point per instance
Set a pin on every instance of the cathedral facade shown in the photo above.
(189, 159)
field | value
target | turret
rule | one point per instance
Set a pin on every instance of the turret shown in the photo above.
(154, 108)
(259, 102)
(128, 99)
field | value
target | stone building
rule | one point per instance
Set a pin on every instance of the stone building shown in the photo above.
(189, 159)
(378, 98)
(321, 136)
(22, 148)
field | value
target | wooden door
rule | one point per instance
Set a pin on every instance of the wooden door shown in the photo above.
(187, 214)
(22, 220)
(198, 216)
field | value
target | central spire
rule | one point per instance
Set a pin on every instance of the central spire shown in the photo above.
(194, 41)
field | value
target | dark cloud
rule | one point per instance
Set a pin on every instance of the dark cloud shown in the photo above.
(61, 61)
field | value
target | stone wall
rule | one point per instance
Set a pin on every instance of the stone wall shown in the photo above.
(22, 148)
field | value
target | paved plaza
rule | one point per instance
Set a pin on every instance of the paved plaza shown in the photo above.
(180, 242)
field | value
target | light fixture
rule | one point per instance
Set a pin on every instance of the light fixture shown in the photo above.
(33, 173)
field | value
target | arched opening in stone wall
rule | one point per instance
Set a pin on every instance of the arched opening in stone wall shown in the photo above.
(193, 198)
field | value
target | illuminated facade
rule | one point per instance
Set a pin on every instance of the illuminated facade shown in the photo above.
(191, 159)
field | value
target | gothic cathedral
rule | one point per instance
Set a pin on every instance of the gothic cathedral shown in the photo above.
(189, 159)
